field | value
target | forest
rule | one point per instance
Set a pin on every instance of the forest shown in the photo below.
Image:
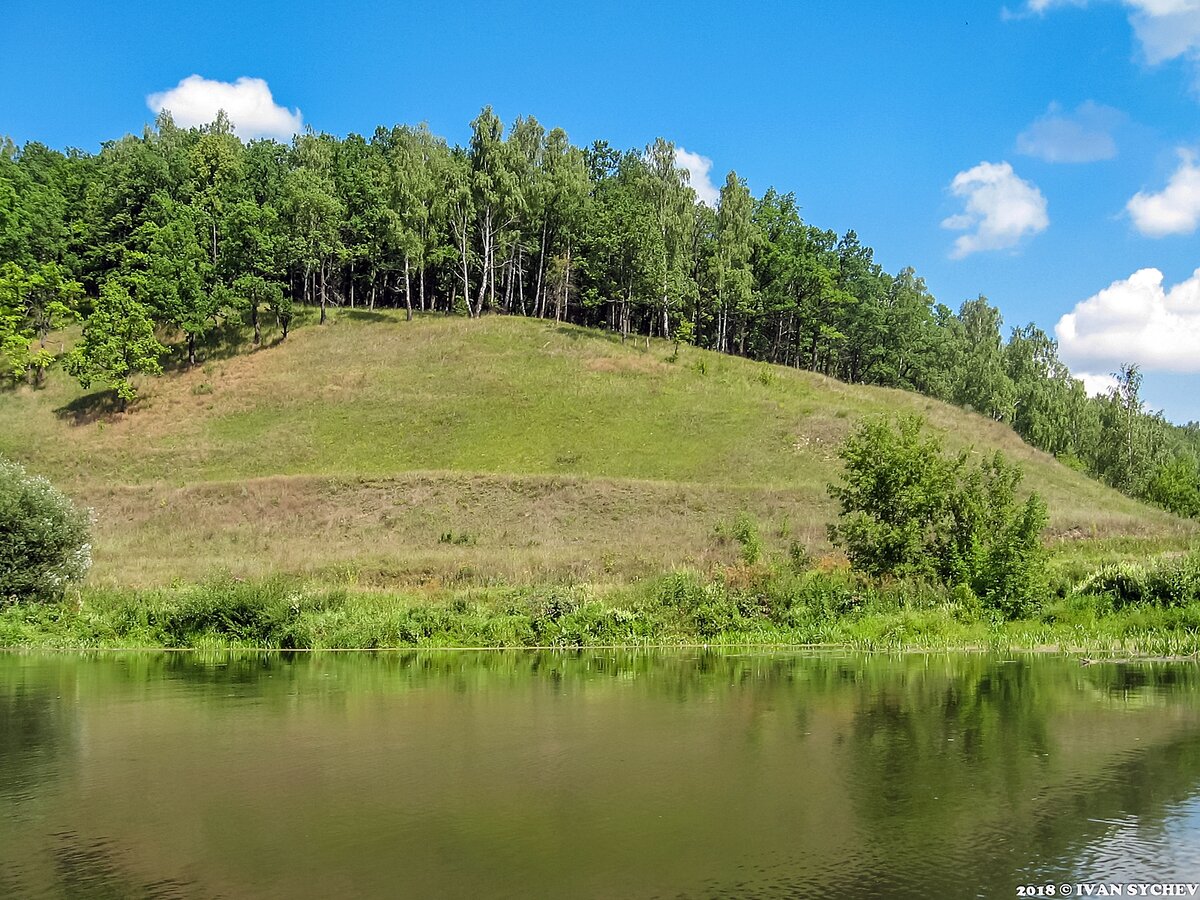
(162, 246)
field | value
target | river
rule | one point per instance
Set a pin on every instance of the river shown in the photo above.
(601, 774)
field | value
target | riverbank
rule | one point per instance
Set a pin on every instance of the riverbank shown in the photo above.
(1124, 611)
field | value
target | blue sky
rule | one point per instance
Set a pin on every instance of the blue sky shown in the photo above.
(1039, 153)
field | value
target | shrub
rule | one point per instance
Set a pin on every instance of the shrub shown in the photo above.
(1175, 485)
(44, 541)
(909, 511)
(799, 558)
(1170, 583)
(893, 495)
(744, 531)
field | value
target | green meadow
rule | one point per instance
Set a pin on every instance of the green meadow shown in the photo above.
(381, 454)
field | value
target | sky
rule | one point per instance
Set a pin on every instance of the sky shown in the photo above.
(1043, 153)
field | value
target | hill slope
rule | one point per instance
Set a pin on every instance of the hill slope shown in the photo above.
(386, 451)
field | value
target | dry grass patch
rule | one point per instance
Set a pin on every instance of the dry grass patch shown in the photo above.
(423, 526)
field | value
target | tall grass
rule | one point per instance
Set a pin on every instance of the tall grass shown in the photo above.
(743, 604)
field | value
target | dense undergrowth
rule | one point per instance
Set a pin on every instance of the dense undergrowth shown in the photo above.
(1123, 609)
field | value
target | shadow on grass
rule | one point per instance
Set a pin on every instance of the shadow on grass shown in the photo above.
(579, 333)
(223, 342)
(10, 385)
(365, 315)
(93, 407)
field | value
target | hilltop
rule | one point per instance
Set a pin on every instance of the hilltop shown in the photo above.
(379, 452)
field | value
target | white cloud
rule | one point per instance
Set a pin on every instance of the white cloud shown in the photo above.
(1038, 7)
(247, 102)
(1135, 320)
(1096, 385)
(1082, 136)
(1000, 209)
(699, 170)
(1165, 29)
(1173, 210)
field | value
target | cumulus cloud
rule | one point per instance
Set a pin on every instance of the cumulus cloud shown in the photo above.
(699, 170)
(1082, 136)
(247, 102)
(1136, 320)
(1173, 210)
(1165, 29)
(1096, 385)
(999, 209)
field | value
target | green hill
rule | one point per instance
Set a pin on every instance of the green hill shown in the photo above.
(495, 449)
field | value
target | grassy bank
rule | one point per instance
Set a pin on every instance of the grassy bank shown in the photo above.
(742, 605)
(506, 482)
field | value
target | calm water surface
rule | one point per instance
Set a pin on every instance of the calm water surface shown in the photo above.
(592, 775)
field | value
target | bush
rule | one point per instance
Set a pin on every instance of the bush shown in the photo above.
(744, 531)
(1168, 583)
(895, 489)
(908, 511)
(44, 541)
(1175, 485)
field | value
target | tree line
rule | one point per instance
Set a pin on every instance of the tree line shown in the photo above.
(181, 232)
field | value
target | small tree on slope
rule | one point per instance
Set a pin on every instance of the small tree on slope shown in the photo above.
(908, 510)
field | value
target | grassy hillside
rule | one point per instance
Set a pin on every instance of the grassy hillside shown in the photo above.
(384, 452)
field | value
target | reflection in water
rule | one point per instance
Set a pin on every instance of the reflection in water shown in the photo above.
(94, 871)
(591, 774)
(1127, 847)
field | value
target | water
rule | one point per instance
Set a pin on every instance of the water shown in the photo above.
(592, 775)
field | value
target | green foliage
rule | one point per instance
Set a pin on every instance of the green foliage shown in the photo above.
(907, 510)
(895, 491)
(681, 608)
(990, 541)
(33, 303)
(799, 557)
(118, 341)
(44, 541)
(1166, 583)
(1175, 485)
(744, 531)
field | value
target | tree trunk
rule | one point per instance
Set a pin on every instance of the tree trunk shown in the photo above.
(560, 312)
(407, 291)
(254, 322)
(464, 264)
(322, 322)
(486, 265)
(625, 311)
(521, 281)
(508, 280)
(191, 345)
(539, 302)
